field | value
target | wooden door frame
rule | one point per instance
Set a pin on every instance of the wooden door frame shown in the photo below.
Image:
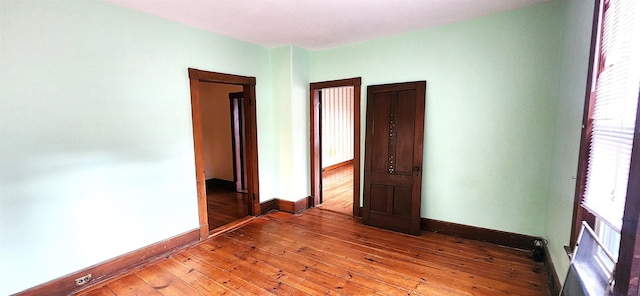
(316, 169)
(196, 78)
(238, 140)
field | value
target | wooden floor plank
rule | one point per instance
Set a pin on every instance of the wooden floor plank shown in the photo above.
(423, 246)
(314, 280)
(225, 206)
(101, 291)
(335, 264)
(232, 282)
(165, 282)
(470, 262)
(337, 189)
(132, 285)
(522, 279)
(262, 275)
(193, 277)
(322, 252)
(352, 258)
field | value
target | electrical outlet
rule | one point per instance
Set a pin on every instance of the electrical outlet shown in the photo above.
(83, 280)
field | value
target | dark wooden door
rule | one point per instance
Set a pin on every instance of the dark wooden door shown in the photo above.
(393, 156)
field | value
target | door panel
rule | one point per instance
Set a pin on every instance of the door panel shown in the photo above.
(378, 198)
(405, 132)
(402, 201)
(393, 156)
(380, 114)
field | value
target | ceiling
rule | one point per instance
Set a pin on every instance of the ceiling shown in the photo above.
(318, 24)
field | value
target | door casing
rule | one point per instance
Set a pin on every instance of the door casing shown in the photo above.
(316, 166)
(196, 78)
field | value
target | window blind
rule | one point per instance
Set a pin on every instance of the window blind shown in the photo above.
(614, 112)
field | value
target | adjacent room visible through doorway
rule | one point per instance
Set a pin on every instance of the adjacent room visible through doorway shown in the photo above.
(336, 132)
(222, 135)
(335, 145)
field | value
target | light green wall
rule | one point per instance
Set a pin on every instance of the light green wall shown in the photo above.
(96, 148)
(300, 134)
(491, 91)
(281, 92)
(290, 74)
(574, 61)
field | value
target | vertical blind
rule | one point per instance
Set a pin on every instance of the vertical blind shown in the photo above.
(614, 112)
(337, 125)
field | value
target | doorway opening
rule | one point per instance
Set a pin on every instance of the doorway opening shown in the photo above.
(335, 145)
(221, 131)
(225, 148)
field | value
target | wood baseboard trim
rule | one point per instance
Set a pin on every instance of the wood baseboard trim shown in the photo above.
(303, 204)
(268, 206)
(219, 183)
(503, 238)
(231, 226)
(338, 165)
(552, 274)
(204, 231)
(293, 207)
(109, 269)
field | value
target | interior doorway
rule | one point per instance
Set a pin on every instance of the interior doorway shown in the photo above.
(335, 145)
(221, 137)
(200, 81)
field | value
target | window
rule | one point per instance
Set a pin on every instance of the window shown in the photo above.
(614, 113)
(610, 238)
(609, 126)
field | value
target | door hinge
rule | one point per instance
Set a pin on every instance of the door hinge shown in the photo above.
(254, 197)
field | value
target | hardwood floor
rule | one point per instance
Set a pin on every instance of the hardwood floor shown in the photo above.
(337, 189)
(322, 252)
(225, 206)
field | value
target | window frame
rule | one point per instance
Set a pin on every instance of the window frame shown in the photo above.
(627, 270)
(579, 213)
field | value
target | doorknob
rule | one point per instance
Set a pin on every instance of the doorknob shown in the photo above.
(416, 171)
